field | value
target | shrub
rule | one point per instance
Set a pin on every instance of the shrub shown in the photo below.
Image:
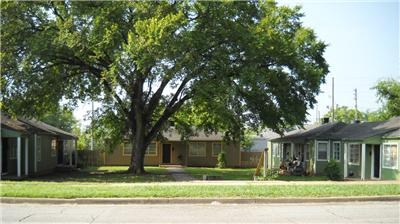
(221, 160)
(332, 170)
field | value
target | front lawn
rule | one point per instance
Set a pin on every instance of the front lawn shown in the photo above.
(226, 174)
(40, 189)
(244, 174)
(107, 174)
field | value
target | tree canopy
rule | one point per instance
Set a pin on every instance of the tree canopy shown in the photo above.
(388, 92)
(346, 115)
(216, 65)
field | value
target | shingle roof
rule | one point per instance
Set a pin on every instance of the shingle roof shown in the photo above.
(312, 132)
(30, 125)
(338, 130)
(360, 131)
(13, 124)
(48, 128)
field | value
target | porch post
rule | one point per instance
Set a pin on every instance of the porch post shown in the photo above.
(35, 152)
(19, 157)
(26, 156)
(315, 157)
(363, 150)
(345, 160)
(265, 161)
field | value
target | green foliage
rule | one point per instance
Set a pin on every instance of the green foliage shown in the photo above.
(221, 160)
(388, 92)
(346, 115)
(63, 118)
(333, 170)
(246, 141)
(227, 65)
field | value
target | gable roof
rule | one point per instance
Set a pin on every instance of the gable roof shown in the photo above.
(13, 124)
(48, 128)
(24, 125)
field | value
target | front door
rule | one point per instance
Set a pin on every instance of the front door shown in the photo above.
(4, 155)
(60, 153)
(166, 154)
(377, 161)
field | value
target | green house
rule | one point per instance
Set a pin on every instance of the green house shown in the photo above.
(368, 150)
(30, 147)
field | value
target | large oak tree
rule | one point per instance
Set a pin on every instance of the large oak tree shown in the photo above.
(219, 65)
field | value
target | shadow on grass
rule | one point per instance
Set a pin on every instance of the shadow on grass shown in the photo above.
(107, 175)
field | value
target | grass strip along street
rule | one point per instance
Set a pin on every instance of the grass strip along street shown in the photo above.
(115, 182)
(124, 190)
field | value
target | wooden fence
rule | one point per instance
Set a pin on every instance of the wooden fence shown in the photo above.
(250, 159)
(90, 158)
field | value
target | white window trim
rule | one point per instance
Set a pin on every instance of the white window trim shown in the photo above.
(212, 151)
(327, 150)
(151, 155)
(340, 151)
(349, 154)
(383, 154)
(205, 149)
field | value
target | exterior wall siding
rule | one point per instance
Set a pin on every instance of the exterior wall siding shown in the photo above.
(391, 174)
(48, 161)
(179, 155)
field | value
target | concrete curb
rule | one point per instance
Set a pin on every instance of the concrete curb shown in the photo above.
(140, 201)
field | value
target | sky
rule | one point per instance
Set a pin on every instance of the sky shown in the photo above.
(363, 48)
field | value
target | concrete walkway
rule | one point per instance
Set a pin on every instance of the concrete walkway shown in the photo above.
(179, 174)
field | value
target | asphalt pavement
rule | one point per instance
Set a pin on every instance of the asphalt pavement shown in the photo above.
(354, 212)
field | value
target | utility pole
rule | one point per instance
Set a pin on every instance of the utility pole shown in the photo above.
(355, 100)
(333, 99)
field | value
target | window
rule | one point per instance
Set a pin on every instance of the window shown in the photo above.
(275, 150)
(12, 145)
(354, 154)
(390, 155)
(336, 151)
(197, 149)
(127, 150)
(53, 147)
(216, 149)
(322, 150)
(151, 149)
(38, 148)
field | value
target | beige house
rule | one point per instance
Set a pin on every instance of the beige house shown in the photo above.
(199, 150)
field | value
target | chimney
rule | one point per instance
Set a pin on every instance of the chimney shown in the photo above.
(325, 120)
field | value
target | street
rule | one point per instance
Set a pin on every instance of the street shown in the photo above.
(357, 212)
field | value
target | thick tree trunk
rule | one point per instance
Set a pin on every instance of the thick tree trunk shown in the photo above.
(139, 147)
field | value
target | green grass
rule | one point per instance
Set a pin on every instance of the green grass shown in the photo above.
(37, 189)
(227, 173)
(108, 174)
(244, 174)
